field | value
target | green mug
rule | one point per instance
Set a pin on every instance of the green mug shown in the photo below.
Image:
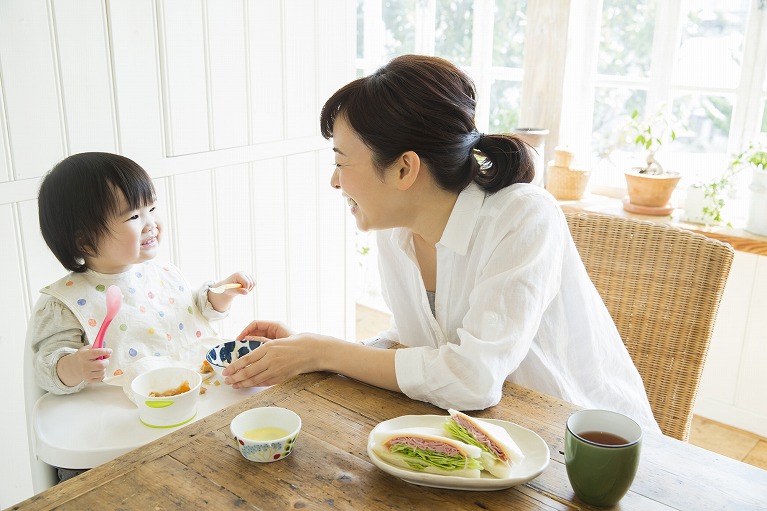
(602, 451)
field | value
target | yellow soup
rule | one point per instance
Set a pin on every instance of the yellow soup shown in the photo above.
(261, 434)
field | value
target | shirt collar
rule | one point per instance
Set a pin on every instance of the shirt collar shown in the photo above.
(463, 219)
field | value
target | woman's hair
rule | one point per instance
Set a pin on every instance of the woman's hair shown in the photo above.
(426, 104)
(79, 197)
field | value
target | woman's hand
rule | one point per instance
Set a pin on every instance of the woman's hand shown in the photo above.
(278, 360)
(86, 364)
(267, 329)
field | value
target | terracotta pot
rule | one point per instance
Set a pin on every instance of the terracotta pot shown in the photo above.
(651, 190)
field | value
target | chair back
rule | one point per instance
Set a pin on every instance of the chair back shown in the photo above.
(662, 286)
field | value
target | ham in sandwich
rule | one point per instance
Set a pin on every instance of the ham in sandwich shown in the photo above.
(499, 450)
(428, 450)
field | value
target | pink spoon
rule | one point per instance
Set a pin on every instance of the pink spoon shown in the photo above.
(114, 302)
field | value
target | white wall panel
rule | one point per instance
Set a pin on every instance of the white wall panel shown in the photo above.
(5, 165)
(136, 79)
(234, 241)
(265, 63)
(14, 475)
(165, 206)
(228, 73)
(186, 96)
(333, 250)
(86, 77)
(31, 90)
(193, 227)
(752, 381)
(726, 347)
(270, 239)
(335, 56)
(303, 246)
(41, 265)
(302, 111)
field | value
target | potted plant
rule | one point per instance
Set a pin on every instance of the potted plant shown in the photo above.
(716, 190)
(650, 185)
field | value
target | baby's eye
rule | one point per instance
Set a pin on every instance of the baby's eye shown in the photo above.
(134, 217)
(153, 208)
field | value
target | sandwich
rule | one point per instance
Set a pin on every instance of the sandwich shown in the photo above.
(427, 450)
(499, 451)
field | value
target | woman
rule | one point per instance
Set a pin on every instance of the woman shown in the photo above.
(477, 265)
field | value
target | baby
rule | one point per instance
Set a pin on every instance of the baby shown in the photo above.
(98, 216)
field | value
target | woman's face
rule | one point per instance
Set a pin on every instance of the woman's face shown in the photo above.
(371, 200)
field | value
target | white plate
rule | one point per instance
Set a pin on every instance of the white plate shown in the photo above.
(533, 447)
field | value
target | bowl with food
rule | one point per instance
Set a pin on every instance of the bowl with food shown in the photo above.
(266, 434)
(227, 352)
(167, 397)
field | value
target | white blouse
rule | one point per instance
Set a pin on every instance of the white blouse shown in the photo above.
(513, 301)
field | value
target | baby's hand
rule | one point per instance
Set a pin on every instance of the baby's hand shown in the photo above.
(247, 282)
(86, 364)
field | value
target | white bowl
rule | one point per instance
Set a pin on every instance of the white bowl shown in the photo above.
(227, 352)
(170, 411)
(265, 451)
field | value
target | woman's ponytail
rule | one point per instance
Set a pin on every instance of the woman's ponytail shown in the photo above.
(503, 161)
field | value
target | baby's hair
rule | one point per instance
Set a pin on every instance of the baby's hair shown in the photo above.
(78, 198)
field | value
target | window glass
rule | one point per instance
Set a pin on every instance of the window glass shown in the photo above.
(504, 105)
(612, 110)
(711, 47)
(707, 120)
(509, 33)
(626, 36)
(453, 30)
(399, 21)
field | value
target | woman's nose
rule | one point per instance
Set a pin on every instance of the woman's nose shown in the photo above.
(334, 180)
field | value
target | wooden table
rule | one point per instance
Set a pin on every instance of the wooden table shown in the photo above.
(199, 465)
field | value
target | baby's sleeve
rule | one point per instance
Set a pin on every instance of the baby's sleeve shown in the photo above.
(53, 331)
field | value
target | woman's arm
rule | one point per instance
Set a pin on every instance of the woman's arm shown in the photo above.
(286, 355)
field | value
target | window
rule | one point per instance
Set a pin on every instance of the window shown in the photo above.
(704, 59)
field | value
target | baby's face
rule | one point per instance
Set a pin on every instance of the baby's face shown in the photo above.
(134, 237)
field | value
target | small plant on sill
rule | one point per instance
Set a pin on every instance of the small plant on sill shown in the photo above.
(650, 133)
(715, 191)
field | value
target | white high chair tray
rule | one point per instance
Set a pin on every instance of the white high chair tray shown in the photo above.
(100, 423)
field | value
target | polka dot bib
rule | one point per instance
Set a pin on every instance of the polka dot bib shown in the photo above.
(158, 316)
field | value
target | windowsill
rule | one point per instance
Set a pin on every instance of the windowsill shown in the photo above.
(739, 238)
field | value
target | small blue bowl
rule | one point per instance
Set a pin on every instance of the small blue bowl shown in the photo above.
(225, 353)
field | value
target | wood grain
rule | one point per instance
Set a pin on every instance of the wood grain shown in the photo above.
(199, 466)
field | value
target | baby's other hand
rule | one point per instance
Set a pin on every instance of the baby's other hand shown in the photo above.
(86, 364)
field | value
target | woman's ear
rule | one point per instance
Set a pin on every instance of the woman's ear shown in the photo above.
(409, 168)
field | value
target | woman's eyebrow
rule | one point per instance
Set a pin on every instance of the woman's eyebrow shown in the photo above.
(337, 150)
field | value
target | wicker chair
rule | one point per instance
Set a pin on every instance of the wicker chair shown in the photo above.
(662, 286)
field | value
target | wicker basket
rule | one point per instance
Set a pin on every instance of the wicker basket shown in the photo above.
(565, 183)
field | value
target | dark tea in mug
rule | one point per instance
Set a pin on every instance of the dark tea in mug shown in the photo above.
(603, 438)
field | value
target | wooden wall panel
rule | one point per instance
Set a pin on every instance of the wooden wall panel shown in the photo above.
(194, 226)
(270, 238)
(334, 250)
(30, 88)
(185, 91)
(234, 240)
(303, 246)
(136, 79)
(266, 68)
(86, 75)
(5, 164)
(13, 304)
(228, 73)
(300, 60)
